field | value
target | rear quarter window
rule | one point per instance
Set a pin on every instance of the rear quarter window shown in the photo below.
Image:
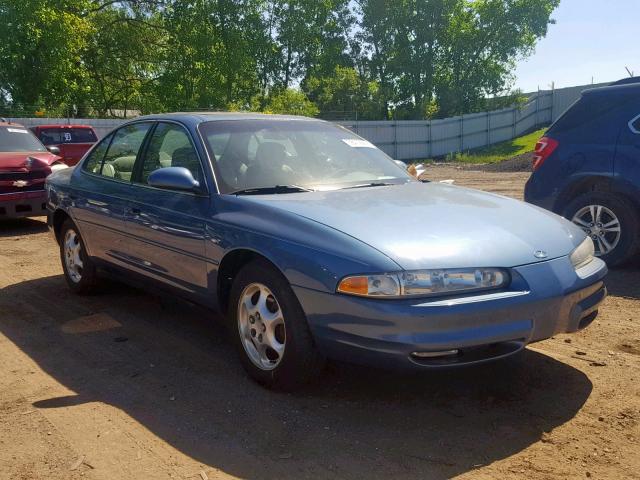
(592, 119)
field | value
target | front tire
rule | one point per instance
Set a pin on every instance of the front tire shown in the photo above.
(611, 221)
(269, 329)
(79, 270)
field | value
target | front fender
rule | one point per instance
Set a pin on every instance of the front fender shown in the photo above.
(308, 254)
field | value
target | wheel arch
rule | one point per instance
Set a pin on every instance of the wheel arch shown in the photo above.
(597, 184)
(232, 262)
(59, 217)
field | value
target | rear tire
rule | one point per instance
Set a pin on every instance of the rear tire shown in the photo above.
(269, 329)
(611, 221)
(79, 270)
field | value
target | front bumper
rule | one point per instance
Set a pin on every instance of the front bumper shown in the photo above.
(23, 204)
(544, 299)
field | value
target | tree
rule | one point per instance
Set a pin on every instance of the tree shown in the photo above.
(447, 54)
(292, 102)
(122, 58)
(482, 42)
(210, 61)
(346, 94)
(41, 44)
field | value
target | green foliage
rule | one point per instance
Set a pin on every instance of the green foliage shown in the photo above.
(41, 45)
(292, 102)
(499, 151)
(365, 59)
(344, 93)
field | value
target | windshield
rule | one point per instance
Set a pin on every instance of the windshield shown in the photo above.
(19, 139)
(251, 154)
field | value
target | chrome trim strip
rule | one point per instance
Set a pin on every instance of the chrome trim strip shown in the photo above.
(475, 299)
(631, 122)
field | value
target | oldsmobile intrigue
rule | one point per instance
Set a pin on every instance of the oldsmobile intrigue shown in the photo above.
(314, 244)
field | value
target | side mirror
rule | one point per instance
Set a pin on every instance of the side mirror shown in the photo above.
(53, 149)
(174, 178)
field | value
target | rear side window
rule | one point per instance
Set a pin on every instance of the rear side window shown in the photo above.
(593, 119)
(93, 163)
(50, 136)
(122, 153)
(116, 158)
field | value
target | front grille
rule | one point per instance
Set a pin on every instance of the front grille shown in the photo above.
(35, 179)
(31, 175)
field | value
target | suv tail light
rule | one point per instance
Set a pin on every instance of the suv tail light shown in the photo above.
(544, 148)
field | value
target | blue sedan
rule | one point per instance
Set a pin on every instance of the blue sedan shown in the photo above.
(314, 244)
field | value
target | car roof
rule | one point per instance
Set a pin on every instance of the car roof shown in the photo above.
(52, 125)
(631, 89)
(200, 117)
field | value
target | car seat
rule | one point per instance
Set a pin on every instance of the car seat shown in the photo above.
(267, 168)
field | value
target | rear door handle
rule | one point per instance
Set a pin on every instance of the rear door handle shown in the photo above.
(134, 211)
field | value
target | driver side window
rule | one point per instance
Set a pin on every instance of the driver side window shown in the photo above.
(170, 146)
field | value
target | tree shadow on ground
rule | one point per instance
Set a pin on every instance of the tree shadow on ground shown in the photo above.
(354, 422)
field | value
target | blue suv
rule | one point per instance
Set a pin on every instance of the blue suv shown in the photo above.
(587, 169)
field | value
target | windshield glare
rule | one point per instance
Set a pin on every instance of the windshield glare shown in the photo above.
(19, 139)
(315, 155)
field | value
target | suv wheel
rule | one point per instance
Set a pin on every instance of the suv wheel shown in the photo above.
(269, 329)
(612, 222)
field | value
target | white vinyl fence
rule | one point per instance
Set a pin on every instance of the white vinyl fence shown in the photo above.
(421, 139)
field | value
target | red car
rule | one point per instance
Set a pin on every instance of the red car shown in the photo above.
(24, 165)
(72, 140)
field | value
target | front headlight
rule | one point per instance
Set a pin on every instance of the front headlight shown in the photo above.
(583, 254)
(424, 282)
(58, 166)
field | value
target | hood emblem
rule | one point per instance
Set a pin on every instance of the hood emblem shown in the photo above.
(540, 254)
(20, 183)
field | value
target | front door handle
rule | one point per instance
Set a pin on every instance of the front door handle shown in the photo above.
(133, 211)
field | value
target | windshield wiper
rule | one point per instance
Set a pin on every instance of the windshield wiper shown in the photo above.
(270, 190)
(371, 184)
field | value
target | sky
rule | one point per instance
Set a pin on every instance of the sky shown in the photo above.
(591, 38)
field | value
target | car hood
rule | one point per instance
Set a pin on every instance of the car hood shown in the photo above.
(17, 160)
(432, 225)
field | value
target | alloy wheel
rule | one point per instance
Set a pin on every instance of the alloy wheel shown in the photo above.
(72, 255)
(601, 224)
(261, 326)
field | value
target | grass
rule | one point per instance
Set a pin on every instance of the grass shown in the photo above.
(499, 151)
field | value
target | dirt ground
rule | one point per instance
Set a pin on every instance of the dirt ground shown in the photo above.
(125, 385)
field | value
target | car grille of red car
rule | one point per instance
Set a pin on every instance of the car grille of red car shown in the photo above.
(16, 182)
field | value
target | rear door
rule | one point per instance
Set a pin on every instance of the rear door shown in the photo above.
(167, 227)
(627, 163)
(104, 191)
